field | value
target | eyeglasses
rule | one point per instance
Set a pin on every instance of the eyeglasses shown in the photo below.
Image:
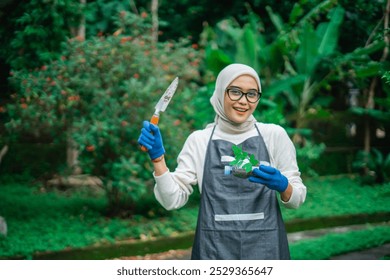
(236, 94)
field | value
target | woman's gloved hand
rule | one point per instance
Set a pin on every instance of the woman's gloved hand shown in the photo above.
(269, 176)
(150, 138)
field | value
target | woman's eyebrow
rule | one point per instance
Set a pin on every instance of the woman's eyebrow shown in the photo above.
(232, 86)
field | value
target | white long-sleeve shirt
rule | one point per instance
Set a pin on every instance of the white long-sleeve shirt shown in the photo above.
(173, 189)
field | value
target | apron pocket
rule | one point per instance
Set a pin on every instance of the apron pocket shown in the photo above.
(239, 217)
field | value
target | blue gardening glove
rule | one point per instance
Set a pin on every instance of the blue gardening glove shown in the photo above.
(269, 176)
(151, 139)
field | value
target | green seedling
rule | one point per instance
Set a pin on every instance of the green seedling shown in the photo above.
(243, 159)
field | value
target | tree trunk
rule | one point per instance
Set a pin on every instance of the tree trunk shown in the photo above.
(72, 153)
(154, 9)
(371, 93)
(81, 29)
(367, 126)
(79, 32)
(3, 151)
(3, 226)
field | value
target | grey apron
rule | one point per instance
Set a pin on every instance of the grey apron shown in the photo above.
(237, 219)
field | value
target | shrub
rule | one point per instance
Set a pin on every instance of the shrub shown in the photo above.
(97, 95)
(375, 163)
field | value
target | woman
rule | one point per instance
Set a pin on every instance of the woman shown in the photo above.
(238, 218)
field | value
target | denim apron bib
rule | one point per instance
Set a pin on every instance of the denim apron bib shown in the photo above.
(237, 219)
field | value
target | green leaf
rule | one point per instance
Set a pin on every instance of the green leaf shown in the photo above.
(216, 59)
(367, 50)
(247, 167)
(296, 13)
(242, 158)
(285, 84)
(370, 69)
(253, 160)
(276, 19)
(373, 113)
(247, 48)
(307, 55)
(236, 150)
(330, 35)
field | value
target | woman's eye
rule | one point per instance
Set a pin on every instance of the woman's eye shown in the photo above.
(252, 94)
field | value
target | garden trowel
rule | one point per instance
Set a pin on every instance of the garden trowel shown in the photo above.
(163, 103)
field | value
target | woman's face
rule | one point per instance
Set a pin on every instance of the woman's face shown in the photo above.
(239, 111)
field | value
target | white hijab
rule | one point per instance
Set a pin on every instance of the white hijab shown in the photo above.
(224, 79)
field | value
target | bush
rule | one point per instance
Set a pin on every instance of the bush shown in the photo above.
(334, 244)
(22, 159)
(374, 166)
(97, 96)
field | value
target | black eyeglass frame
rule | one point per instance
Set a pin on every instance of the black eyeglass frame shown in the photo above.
(242, 94)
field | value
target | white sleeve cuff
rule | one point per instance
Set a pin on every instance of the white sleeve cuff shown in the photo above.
(296, 199)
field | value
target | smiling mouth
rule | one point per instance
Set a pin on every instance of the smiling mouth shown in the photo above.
(241, 110)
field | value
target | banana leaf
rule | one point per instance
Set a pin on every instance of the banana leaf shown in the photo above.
(282, 85)
(246, 48)
(329, 32)
(371, 69)
(276, 20)
(373, 113)
(367, 50)
(296, 13)
(307, 56)
(321, 7)
(306, 132)
(320, 43)
(216, 60)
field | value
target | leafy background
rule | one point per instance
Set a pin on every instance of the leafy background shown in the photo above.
(77, 78)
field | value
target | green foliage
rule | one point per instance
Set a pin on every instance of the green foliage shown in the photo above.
(42, 221)
(386, 76)
(298, 66)
(376, 163)
(97, 95)
(34, 31)
(243, 159)
(333, 193)
(100, 16)
(204, 113)
(362, 20)
(307, 155)
(375, 114)
(33, 160)
(379, 114)
(329, 245)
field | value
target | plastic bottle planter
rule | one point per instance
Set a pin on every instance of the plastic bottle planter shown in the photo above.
(238, 171)
(241, 172)
(242, 165)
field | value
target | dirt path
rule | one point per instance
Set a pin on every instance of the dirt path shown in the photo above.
(169, 255)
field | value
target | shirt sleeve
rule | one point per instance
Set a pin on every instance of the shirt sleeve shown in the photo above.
(284, 157)
(172, 189)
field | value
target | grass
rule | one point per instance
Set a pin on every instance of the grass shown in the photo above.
(340, 195)
(333, 244)
(50, 221)
(40, 221)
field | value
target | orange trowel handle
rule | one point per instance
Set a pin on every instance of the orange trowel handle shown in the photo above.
(153, 120)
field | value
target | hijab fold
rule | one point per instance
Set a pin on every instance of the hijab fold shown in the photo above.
(224, 79)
